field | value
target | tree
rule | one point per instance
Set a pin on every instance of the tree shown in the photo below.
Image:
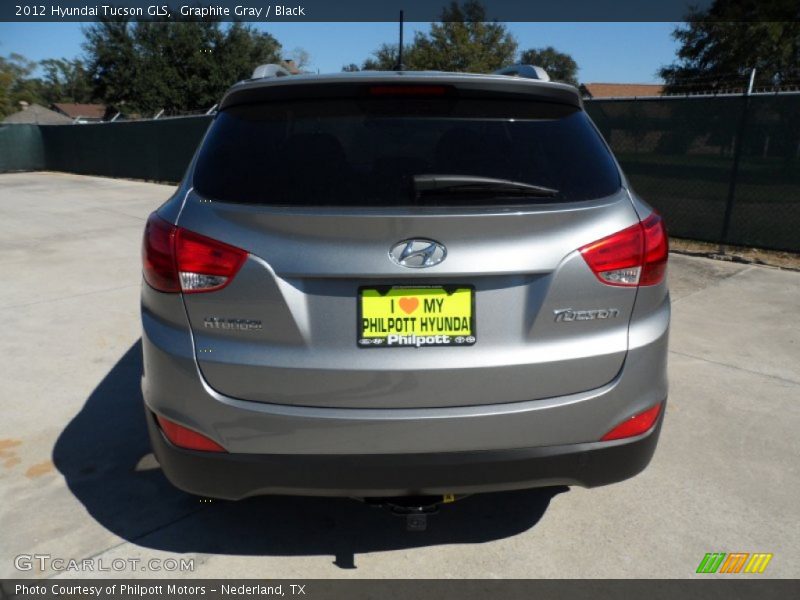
(111, 59)
(560, 66)
(300, 57)
(66, 81)
(462, 41)
(179, 67)
(15, 83)
(720, 46)
(384, 58)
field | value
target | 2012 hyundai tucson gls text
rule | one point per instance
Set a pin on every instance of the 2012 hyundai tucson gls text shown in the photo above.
(392, 284)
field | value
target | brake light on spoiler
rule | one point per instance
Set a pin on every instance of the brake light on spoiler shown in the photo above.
(407, 90)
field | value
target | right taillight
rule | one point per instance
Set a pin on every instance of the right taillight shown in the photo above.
(656, 250)
(634, 256)
(176, 259)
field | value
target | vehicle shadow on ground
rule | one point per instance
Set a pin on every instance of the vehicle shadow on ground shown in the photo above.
(104, 455)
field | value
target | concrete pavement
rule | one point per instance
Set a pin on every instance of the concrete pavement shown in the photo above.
(77, 479)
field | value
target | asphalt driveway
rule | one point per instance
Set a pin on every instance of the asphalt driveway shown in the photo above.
(77, 479)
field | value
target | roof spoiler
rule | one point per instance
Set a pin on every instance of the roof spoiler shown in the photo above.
(341, 85)
(526, 71)
(270, 70)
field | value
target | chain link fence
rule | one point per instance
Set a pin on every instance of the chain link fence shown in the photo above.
(21, 148)
(155, 150)
(721, 169)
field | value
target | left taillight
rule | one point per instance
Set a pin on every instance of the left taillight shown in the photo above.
(176, 259)
(158, 255)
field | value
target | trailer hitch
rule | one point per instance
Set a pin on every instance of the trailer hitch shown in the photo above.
(415, 509)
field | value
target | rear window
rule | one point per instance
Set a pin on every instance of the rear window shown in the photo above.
(366, 151)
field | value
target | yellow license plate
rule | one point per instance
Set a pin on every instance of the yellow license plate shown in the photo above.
(397, 317)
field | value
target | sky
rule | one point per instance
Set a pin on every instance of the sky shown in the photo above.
(605, 52)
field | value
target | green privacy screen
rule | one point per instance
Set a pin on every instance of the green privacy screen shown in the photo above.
(679, 154)
(21, 148)
(153, 150)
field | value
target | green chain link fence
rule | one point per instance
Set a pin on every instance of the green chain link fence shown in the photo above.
(21, 148)
(680, 155)
(156, 150)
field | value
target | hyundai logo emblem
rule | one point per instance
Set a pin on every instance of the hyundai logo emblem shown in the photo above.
(417, 253)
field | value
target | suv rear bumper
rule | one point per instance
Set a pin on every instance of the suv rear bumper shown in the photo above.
(236, 476)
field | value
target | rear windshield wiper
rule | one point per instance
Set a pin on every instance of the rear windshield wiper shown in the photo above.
(471, 184)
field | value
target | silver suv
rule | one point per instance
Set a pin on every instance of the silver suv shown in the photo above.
(397, 284)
